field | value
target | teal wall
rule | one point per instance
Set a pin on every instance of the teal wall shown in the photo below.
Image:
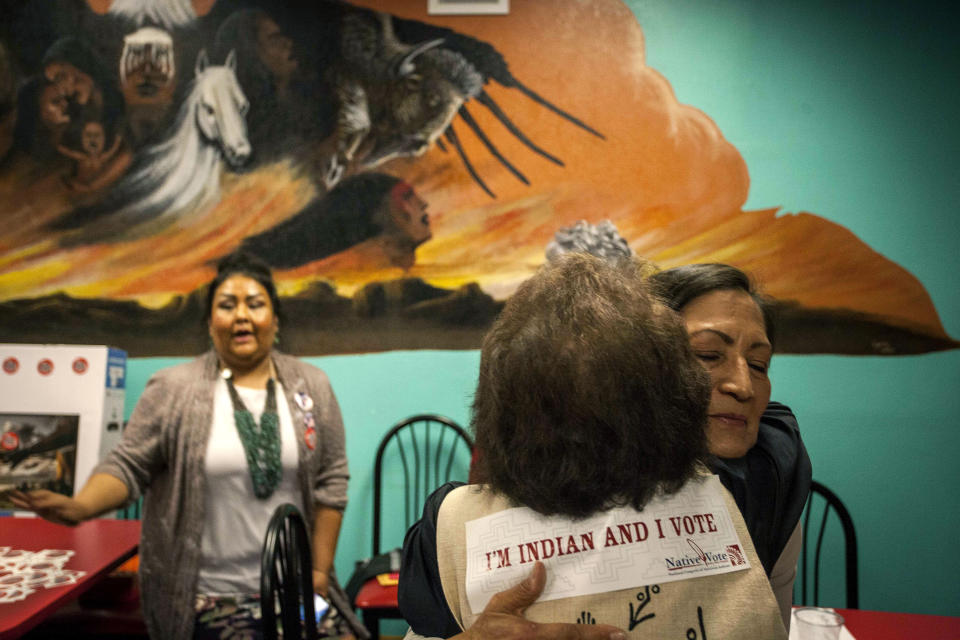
(847, 110)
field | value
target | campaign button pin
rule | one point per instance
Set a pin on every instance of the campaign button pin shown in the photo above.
(310, 438)
(11, 365)
(80, 366)
(303, 401)
(308, 420)
(45, 367)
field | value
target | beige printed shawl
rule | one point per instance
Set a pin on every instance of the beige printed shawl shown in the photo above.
(729, 606)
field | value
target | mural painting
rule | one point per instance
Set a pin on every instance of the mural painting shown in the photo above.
(402, 173)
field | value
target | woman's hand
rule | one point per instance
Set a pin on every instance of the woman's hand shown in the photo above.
(321, 582)
(326, 529)
(102, 493)
(51, 506)
(503, 617)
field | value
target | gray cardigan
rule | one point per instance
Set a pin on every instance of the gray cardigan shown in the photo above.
(161, 456)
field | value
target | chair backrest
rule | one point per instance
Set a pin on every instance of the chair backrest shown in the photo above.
(811, 560)
(427, 446)
(286, 576)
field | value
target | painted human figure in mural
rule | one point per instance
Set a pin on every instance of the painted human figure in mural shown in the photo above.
(52, 107)
(95, 166)
(148, 80)
(180, 176)
(377, 215)
(41, 118)
(283, 100)
(72, 81)
(275, 51)
(82, 77)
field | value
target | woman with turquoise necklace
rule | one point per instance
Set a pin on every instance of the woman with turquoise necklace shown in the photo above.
(214, 446)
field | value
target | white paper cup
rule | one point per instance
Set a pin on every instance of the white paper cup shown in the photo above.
(814, 623)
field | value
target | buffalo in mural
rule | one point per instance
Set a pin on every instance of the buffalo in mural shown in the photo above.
(403, 173)
(396, 99)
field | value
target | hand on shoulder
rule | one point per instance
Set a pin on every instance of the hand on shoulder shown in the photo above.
(503, 617)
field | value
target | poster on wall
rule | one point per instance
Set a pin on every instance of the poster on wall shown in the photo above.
(37, 451)
(401, 172)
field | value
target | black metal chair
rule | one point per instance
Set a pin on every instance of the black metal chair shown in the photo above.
(286, 577)
(286, 581)
(811, 561)
(427, 446)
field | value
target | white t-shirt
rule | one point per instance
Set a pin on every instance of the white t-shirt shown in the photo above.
(236, 521)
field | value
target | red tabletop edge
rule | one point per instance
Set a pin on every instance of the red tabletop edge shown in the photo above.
(885, 625)
(99, 545)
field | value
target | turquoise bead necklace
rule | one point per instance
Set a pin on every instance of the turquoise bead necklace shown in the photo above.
(261, 443)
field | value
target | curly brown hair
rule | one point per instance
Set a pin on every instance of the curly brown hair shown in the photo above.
(589, 394)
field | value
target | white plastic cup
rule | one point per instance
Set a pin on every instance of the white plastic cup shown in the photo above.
(814, 623)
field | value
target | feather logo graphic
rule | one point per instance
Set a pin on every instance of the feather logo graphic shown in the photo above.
(697, 550)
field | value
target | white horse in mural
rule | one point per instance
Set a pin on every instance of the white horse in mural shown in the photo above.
(180, 175)
(170, 14)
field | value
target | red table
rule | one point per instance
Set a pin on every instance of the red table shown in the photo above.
(882, 625)
(99, 545)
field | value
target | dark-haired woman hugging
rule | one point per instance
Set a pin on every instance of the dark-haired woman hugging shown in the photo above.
(590, 412)
(214, 446)
(756, 445)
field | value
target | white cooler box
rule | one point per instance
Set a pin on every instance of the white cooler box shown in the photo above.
(61, 411)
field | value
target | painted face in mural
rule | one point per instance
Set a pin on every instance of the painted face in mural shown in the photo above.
(275, 49)
(93, 138)
(728, 335)
(408, 212)
(147, 67)
(72, 82)
(242, 322)
(53, 107)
